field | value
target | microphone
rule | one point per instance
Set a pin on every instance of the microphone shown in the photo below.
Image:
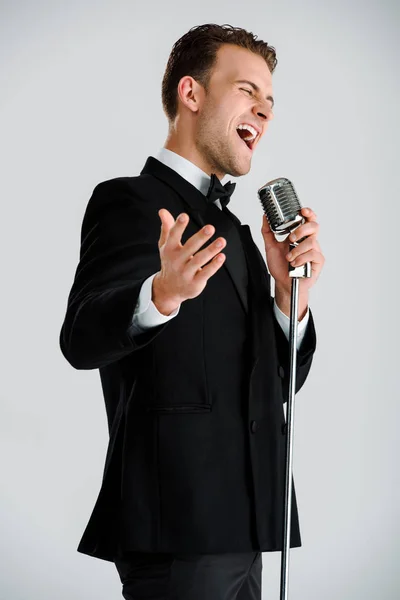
(282, 208)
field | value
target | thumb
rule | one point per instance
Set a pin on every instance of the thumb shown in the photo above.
(268, 234)
(167, 221)
(265, 225)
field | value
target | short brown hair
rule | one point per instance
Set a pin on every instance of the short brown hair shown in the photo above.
(195, 54)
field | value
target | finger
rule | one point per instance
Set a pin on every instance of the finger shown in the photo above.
(202, 257)
(308, 213)
(268, 235)
(176, 231)
(304, 246)
(204, 273)
(311, 256)
(307, 229)
(194, 243)
(265, 225)
(167, 221)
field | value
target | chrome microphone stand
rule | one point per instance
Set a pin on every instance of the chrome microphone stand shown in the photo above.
(283, 210)
(295, 273)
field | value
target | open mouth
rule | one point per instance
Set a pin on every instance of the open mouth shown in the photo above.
(247, 134)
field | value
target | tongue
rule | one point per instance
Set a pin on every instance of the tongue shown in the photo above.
(242, 134)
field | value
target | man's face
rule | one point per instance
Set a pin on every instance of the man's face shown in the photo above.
(239, 94)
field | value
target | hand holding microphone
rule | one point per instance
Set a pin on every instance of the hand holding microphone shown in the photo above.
(286, 215)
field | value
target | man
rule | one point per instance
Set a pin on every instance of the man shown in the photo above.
(192, 349)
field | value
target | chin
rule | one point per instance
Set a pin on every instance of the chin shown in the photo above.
(241, 169)
(234, 164)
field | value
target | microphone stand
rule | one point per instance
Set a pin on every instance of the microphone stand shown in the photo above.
(295, 273)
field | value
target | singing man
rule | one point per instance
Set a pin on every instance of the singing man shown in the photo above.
(171, 301)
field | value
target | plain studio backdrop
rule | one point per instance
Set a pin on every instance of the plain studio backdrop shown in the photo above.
(80, 103)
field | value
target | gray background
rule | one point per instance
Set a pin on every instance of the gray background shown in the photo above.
(80, 103)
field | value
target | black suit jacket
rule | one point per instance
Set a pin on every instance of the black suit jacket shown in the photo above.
(195, 462)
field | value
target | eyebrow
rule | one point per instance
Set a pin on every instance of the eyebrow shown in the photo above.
(256, 89)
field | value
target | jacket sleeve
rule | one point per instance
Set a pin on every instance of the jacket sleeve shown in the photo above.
(119, 251)
(304, 355)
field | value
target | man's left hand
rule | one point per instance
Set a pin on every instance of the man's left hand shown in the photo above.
(307, 251)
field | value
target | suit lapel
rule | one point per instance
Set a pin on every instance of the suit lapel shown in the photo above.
(202, 214)
(259, 290)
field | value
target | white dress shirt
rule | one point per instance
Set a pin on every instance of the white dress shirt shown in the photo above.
(146, 314)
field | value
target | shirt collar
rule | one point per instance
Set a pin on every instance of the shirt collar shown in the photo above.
(186, 169)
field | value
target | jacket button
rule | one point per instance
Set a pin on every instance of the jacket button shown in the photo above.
(281, 372)
(284, 428)
(253, 426)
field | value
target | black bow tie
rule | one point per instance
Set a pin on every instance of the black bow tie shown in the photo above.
(220, 192)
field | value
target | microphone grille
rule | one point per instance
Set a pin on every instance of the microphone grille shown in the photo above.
(281, 205)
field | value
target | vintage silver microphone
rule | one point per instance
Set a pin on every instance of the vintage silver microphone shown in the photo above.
(282, 208)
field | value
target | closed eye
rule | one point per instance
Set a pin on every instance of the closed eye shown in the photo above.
(246, 90)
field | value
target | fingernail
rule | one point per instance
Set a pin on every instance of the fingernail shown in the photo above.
(289, 255)
(181, 218)
(207, 230)
(293, 237)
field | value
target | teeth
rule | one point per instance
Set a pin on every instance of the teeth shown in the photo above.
(250, 129)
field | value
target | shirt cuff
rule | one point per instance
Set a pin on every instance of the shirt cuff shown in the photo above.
(284, 322)
(146, 314)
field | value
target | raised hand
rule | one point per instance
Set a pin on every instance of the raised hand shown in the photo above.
(185, 269)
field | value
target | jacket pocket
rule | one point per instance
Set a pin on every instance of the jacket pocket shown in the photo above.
(180, 408)
(178, 370)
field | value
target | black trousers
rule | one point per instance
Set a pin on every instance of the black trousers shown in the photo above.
(147, 576)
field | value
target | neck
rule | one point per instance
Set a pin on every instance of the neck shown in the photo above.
(184, 146)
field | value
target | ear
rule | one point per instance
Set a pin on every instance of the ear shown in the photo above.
(190, 93)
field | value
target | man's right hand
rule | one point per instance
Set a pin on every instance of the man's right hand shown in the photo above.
(183, 274)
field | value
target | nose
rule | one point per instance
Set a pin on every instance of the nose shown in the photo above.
(265, 112)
